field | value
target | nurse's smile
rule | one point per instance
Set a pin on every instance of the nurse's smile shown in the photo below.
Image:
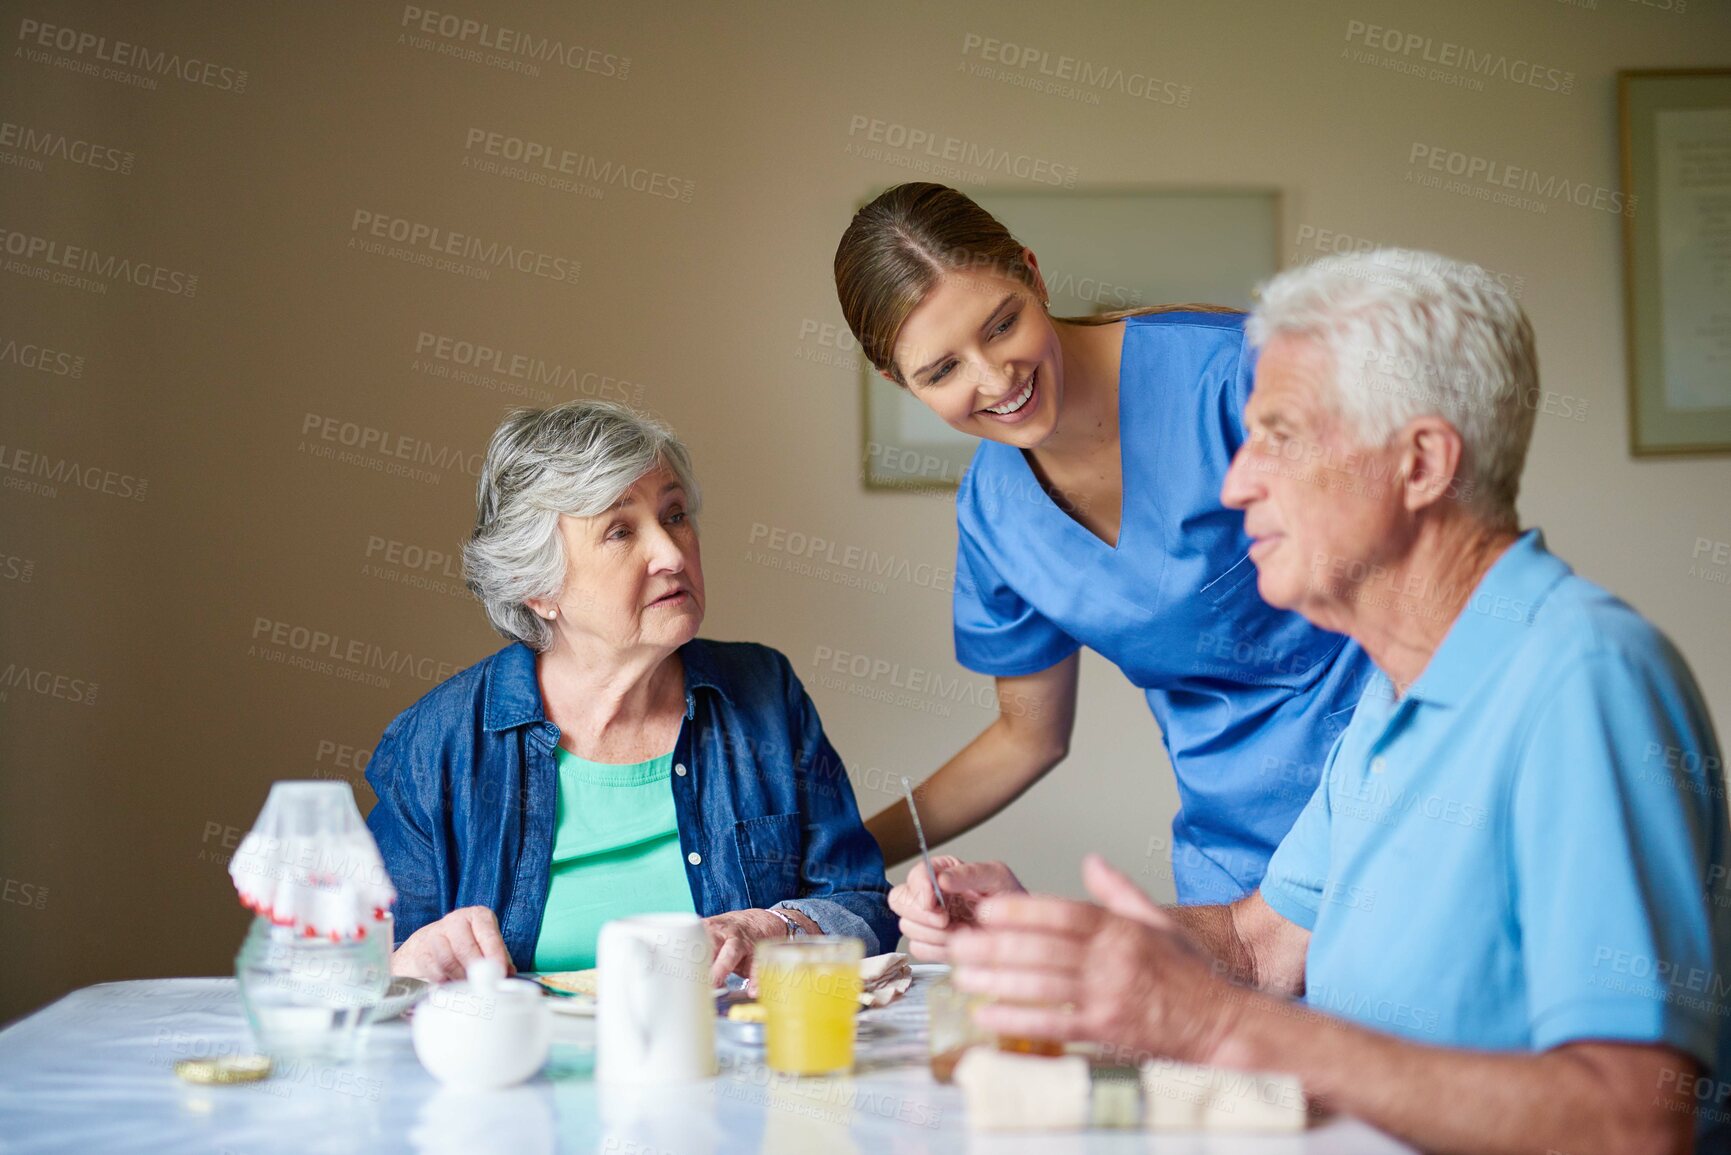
(1019, 406)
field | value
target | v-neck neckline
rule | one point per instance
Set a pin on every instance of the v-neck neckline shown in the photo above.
(1123, 470)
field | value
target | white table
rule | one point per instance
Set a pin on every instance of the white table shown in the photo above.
(94, 1072)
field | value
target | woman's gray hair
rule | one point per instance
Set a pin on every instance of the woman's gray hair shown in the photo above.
(1413, 334)
(575, 458)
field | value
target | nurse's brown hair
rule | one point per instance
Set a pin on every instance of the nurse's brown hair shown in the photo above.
(897, 247)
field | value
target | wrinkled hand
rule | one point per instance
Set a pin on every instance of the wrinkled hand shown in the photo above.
(733, 939)
(965, 884)
(441, 951)
(1122, 974)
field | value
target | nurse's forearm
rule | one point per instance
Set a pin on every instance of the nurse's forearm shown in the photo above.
(1036, 713)
(987, 775)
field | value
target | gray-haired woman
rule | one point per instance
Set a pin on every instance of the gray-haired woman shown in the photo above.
(609, 762)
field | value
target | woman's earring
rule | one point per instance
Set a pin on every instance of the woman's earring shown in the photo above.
(551, 614)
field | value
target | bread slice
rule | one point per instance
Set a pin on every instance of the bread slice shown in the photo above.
(572, 982)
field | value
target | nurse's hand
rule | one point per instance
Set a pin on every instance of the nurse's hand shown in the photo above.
(926, 925)
(441, 951)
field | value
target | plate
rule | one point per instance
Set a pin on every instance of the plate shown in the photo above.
(574, 992)
(402, 994)
(582, 1006)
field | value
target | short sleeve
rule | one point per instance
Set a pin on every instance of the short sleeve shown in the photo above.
(997, 632)
(1298, 870)
(1611, 852)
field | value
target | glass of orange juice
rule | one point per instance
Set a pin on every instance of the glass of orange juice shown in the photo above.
(809, 988)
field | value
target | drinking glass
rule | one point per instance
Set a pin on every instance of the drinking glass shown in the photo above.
(809, 988)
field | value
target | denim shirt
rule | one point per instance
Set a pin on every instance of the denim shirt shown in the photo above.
(467, 784)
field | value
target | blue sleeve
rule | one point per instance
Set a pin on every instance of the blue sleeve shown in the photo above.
(1297, 872)
(1611, 860)
(997, 632)
(400, 828)
(842, 883)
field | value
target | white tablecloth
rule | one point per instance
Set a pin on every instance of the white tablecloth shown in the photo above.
(94, 1072)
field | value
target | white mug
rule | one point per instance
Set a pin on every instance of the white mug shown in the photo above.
(655, 1012)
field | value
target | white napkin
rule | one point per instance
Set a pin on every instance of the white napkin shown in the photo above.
(1008, 1092)
(1182, 1097)
(309, 862)
(884, 978)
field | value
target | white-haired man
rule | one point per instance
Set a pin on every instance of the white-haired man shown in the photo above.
(1505, 906)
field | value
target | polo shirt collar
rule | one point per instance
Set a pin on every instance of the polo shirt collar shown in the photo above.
(1493, 621)
(512, 693)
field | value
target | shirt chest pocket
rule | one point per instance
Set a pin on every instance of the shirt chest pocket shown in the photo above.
(770, 857)
(1244, 639)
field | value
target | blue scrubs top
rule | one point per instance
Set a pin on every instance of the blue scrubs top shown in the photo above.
(1249, 699)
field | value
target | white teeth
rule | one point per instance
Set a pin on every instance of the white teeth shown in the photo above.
(1015, 402)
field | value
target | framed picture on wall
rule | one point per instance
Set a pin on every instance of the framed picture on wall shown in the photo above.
(1098, 250)
(1676, 143)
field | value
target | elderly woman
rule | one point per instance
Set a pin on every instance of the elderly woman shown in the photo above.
(609, 761)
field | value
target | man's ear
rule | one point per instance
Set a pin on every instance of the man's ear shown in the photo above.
(1430, 462)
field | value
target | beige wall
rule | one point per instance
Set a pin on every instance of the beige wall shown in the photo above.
(116, 813)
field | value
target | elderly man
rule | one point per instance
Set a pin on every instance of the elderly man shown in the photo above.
(1504, 906)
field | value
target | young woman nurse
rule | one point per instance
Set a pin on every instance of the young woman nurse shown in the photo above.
(1091, 516)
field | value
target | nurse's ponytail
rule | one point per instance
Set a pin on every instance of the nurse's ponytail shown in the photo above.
(897, 247)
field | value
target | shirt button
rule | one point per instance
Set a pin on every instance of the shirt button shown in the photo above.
(679, 769)
(1378, 764)
(694, 858)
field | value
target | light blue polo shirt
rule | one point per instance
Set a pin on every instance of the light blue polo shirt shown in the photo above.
(1527, 848)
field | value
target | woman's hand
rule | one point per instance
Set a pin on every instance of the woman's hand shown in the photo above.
(441, 951)
(733, 939)
(964, 884)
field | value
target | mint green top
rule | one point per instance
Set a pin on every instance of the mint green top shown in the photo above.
(615, 853)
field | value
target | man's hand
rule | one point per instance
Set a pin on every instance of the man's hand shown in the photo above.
(1123, 973)
(441, 951)
(927, 926)
(733, 939)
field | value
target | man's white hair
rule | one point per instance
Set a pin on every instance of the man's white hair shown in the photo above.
(1413, 334)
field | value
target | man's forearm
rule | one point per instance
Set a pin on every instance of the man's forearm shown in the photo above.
(1213, 929)
(1579, 1099)
(1251, 943)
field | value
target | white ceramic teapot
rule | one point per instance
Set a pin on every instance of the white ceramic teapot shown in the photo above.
(486, 1033)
